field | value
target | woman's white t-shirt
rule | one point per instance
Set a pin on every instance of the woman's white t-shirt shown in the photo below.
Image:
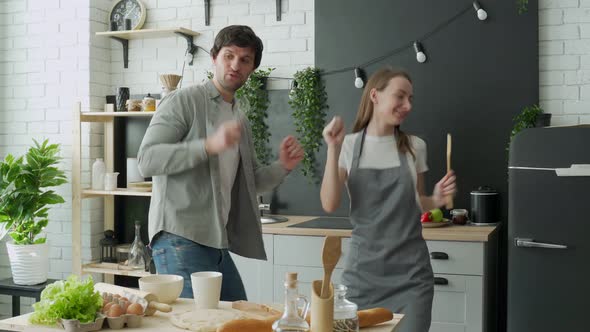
(381, 152)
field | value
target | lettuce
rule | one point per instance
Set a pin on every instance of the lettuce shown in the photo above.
(67, 299)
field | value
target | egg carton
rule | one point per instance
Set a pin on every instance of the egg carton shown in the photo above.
(74, 325)
(131, 321)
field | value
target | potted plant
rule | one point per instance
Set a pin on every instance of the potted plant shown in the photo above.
(24, 200)
(308, 98)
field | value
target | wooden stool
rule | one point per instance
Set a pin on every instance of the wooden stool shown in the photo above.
(8, 287)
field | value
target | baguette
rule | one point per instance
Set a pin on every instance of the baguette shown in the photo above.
(247, 325)
(370, 317)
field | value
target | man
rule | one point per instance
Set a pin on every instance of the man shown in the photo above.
(198, 148)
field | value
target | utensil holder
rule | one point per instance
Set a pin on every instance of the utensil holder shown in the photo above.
(322, 310)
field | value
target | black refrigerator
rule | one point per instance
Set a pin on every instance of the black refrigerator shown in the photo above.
(549, 230)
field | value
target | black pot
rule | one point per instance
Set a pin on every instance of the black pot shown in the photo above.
(543, 120)
(485, 207)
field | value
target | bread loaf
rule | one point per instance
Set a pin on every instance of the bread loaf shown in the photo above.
(247, 325)
(370, 317)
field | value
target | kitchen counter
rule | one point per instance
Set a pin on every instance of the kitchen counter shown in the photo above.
(448, 233)
(159, 322)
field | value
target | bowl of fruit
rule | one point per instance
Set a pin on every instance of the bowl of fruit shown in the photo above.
(434, 218)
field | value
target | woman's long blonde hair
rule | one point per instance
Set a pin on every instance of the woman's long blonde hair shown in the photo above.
(379, 81)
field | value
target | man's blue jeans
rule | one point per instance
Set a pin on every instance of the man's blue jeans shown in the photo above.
(174, 254)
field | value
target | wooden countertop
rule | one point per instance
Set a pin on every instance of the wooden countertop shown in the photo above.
(449, 233)
(159, 322)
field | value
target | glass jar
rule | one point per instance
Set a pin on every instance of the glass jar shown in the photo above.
(459, 216)
(345, 312)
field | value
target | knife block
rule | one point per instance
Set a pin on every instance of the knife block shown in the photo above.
(322, 310)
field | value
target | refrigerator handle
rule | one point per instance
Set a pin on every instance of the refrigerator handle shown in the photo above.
(530, 243)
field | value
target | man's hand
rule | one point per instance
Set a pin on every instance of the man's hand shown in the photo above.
(291, 153)
(227, 135)
(334, 132)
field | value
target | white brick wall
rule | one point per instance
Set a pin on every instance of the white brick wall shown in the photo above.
(564, 60)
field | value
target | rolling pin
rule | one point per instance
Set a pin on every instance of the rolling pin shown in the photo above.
(151, 303)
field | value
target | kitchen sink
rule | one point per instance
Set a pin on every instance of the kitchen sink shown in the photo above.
(325, 222)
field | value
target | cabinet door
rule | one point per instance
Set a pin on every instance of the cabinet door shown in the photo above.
(456, 257)
(257, 275)
(305, 276)
(304, 250)
(458, 305)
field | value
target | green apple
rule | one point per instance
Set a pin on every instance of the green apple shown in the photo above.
(437, 215)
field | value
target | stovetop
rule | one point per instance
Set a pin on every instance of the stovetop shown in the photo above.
(325, 222)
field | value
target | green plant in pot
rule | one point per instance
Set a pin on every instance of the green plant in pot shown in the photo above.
(24, 206)
(255, 99)
(530, 117)
(308, 98)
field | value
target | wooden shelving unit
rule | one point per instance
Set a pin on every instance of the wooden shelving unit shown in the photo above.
(79, 193)
(124, 36)
(112, 269)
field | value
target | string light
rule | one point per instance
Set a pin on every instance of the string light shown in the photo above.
(420, 55)
(359, 83)
(481, 13)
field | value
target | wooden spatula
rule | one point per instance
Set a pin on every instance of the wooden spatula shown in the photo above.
(449, 204)
(330, 256)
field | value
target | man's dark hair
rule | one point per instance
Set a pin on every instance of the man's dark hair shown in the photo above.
(241, 36)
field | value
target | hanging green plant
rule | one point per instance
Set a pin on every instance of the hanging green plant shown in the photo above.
(255, 98)
(308, 98)
(522, 6)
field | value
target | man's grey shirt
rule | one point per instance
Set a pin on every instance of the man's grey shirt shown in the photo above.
(186, 195)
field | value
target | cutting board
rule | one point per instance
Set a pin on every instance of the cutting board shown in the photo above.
(151, 300)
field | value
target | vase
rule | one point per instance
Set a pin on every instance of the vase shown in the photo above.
(29, 262)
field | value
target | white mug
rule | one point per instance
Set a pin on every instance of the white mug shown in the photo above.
(206, 289)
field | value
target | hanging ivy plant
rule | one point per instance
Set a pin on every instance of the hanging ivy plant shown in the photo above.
(255, 98)
(522, 6)
(308, 98)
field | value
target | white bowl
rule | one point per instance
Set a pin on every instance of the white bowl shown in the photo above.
(167, 287)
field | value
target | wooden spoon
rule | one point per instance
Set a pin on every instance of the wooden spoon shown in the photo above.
(330, 256)
(449, 204)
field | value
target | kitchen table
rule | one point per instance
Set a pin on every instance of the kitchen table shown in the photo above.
(159, 322)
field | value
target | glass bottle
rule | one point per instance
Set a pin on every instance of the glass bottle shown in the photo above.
(291, 319)
(98, 171)
(345, 312)
(137, 252)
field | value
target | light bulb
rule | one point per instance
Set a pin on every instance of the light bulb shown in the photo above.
(481, 13)
(420, 55)
(358, 81)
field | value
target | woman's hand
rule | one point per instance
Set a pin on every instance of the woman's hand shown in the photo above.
(334, 132)
(445, 187)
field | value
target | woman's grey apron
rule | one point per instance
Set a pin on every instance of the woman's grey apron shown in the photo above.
(388, 265)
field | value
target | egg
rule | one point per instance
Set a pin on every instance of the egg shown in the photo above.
(115, 311)
(135, 309)
(124, 305)
(107, 306)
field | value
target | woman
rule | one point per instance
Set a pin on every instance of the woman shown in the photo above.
(383, 169)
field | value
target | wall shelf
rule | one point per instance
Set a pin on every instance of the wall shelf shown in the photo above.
(124, 36)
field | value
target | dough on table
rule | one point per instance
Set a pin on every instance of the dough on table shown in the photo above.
(205, 320)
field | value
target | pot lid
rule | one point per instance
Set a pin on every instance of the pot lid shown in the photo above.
(484, 190)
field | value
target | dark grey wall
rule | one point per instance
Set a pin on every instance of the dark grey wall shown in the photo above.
(477, 77)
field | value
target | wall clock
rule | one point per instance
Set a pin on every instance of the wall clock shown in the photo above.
(127, 9)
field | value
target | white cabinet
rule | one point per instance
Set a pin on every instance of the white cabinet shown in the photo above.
(257, 275)
(465, 277)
